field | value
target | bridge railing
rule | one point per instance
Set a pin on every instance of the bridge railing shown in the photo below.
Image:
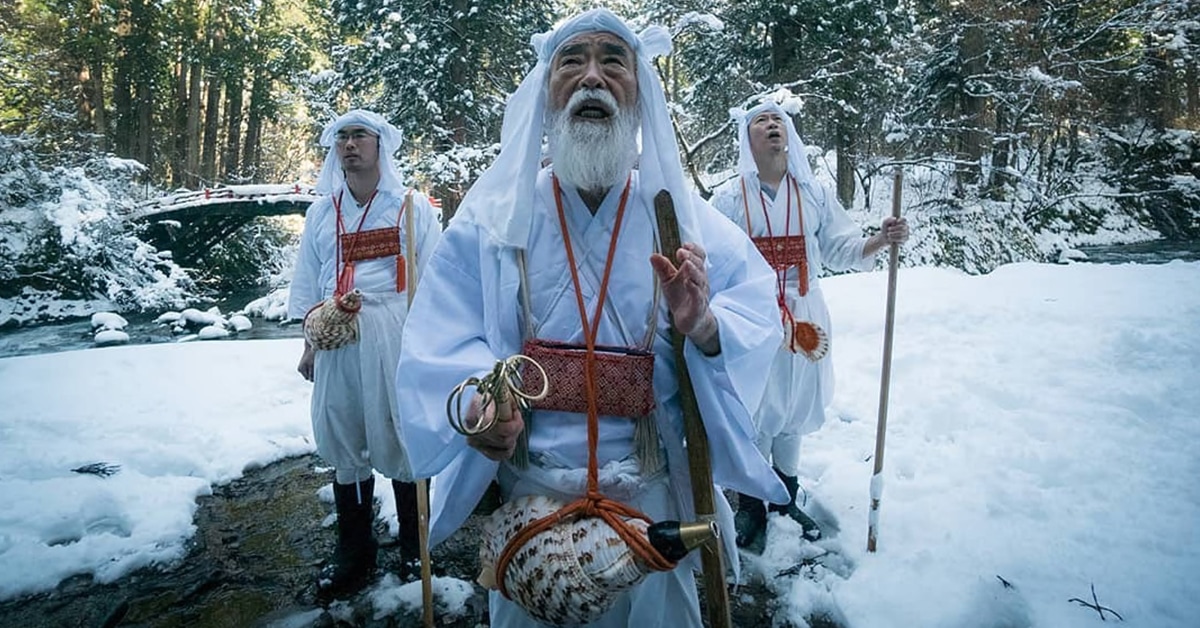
(232, 193)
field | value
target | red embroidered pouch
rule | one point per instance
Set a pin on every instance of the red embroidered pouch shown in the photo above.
(624, 378)
(782, 252)
(370, 244)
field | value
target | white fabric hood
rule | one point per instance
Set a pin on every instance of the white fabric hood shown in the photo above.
(501, 201)
(390, 138)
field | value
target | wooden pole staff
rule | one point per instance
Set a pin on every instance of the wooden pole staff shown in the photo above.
(699, 465)
(410, 282)
(885, 378)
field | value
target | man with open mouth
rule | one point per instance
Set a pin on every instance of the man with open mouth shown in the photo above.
(562, 263)
(800, 228)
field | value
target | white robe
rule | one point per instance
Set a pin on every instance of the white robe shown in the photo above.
(798, 389)
(354, 406)
(467, 315)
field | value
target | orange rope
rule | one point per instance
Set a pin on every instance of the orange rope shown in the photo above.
(593, 503)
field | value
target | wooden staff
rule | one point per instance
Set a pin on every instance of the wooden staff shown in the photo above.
(697, 438)
(885, 378)
(410, 282)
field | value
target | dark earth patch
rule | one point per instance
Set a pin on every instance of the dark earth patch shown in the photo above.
(258, 544)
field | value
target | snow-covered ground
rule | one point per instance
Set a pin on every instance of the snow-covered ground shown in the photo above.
(1042, 432)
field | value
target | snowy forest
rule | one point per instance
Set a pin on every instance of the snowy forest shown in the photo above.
(1024, 129)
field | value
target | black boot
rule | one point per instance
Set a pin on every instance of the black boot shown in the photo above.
(410, 537)
(353, 564)
(751, 523)
(812, 531)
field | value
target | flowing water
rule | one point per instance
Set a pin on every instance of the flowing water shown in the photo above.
(76, 333)
(1153, 252)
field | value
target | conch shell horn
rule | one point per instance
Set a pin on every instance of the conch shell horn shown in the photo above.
(333, 323)
(574, 571)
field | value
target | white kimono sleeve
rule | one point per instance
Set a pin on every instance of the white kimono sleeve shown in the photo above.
(841, 239)
(444, 343)
(305, 290)
(428, 230)
(730, 385)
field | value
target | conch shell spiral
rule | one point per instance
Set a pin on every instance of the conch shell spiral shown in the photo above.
(333, 323)
(572, 573)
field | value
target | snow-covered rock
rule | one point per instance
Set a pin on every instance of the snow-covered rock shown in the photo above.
(240, 323)
(272, 307)
(108, 320)
(1071, 255)
(213, 332)
(192, 316)
(168, 317)
(109, 337)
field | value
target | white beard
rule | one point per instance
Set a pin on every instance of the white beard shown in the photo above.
(593, 156)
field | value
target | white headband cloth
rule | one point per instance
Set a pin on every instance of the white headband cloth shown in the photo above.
(501, 200)
(796, 157)
(390, 139)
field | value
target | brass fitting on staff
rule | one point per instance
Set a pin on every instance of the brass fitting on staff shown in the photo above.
(674, 539)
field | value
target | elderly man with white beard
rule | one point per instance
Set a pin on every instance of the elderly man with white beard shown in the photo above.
(561, 263)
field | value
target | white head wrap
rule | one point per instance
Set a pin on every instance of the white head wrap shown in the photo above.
(332, 177)
(501, 201)
(797, 160)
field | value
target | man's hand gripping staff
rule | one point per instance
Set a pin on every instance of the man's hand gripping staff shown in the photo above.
(492, 407)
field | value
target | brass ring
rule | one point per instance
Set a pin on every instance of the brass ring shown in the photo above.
(504, 378)
(516, 390)
(454, 410)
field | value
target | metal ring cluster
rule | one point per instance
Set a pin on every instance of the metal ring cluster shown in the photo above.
(493, 388)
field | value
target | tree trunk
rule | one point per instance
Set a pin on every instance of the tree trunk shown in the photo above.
(192, 161)
(233, 130)
(179, 124)
(1192, 87)
(93, 49)
(91, 100)
(145, 108)
(142, 70)
(451, 193)
(845, 167)
(1000, 178)
(85, 105)
(1157, 95)
(252, 152)
(123, 114)
(212, 124)
(971, 139)
(212, 110)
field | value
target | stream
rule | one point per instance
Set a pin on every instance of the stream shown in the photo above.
(76, 333)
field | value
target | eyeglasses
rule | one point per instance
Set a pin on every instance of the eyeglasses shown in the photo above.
(357, 136)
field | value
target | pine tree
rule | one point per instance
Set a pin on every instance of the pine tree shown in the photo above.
(441, 71)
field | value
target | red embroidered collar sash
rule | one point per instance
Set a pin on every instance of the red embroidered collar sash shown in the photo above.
(371, 244)
(782, 252)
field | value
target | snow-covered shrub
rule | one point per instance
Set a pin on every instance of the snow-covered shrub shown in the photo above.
(975, 237)
(62, 232)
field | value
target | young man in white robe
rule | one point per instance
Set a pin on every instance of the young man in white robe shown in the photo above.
(593, 88)
(801, 229)
(356, 238)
